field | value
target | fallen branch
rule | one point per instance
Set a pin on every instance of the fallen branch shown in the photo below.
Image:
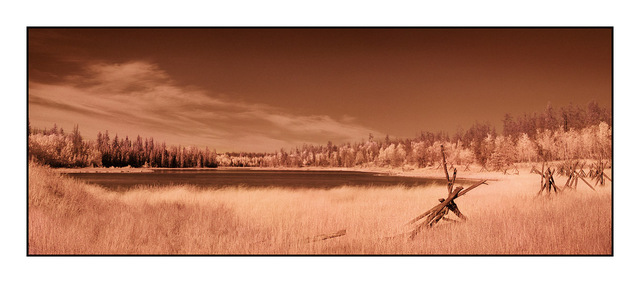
(317, 238)
(326, 236)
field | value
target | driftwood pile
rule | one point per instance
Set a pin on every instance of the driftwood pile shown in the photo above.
(574, 172)
(596, 172)
(438, 212)
(546, 182)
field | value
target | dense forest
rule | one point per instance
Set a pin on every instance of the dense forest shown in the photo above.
(569, 133)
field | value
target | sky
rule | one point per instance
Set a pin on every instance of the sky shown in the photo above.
(262, 89)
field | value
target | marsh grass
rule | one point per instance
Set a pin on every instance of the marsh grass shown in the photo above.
(71, 217)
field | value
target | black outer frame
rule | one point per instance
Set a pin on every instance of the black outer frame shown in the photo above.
(328, 27)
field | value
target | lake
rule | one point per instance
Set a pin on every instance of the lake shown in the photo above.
(221, 178)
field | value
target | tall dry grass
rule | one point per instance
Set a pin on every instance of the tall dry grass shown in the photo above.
(70, 217)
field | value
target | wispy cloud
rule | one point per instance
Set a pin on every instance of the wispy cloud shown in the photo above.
(140, 98)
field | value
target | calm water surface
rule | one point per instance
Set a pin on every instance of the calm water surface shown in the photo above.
(221, 178)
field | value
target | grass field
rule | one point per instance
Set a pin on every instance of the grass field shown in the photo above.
(505, 217)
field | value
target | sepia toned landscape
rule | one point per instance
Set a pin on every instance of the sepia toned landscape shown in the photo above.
(320, 141)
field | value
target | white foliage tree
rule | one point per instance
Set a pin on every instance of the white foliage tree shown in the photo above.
(387, 155)
(419, 153)
(525, 148)
(400, 156)
(545, 140)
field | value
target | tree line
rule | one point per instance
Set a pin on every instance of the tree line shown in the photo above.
(59, 149)
(574, 132)
(568, 117)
